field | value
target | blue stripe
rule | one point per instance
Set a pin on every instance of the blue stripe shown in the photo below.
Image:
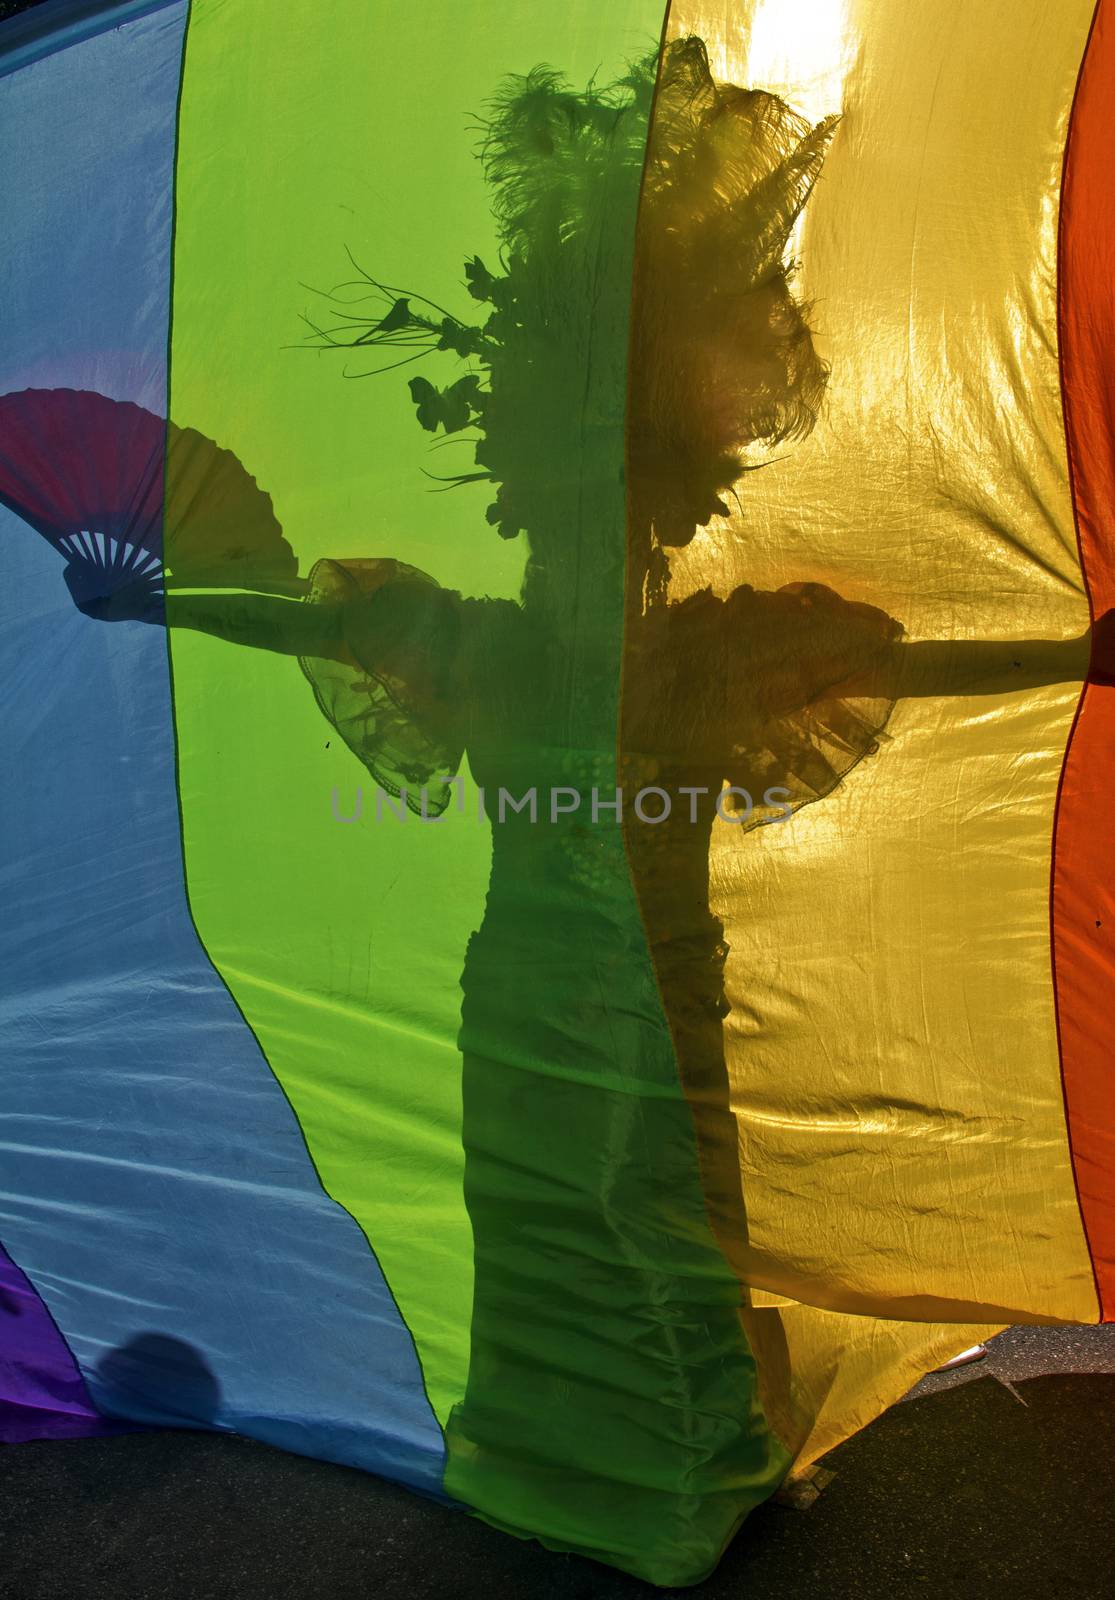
(157, 1190)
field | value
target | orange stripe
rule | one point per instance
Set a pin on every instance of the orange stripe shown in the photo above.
(1083, 885)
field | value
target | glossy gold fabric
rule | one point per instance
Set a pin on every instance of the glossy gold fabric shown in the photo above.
(891, 1046)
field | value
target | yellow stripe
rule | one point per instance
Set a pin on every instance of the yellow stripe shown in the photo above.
(892, 1048)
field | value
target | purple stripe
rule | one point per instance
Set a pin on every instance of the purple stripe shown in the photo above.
(42, 1394)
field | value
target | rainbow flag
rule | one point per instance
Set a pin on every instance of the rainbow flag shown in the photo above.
(558, 680)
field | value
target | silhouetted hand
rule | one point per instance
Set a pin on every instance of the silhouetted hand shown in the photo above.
(1102, 666)
(140, 600)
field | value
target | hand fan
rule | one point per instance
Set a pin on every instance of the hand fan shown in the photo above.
(126, 498)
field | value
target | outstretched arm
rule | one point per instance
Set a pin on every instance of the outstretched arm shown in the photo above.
(262, 621)
(981, 666)
(923, 668)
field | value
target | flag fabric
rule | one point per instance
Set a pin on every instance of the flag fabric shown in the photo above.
(557, 675)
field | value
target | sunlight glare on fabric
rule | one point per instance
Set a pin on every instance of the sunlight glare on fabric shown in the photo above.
(801, 51)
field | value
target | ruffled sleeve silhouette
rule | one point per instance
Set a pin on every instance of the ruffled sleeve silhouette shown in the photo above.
(767, 689)
(390, 690)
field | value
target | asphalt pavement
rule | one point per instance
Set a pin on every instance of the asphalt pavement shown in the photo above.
(993, 1480)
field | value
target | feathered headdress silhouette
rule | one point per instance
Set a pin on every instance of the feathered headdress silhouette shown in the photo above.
(668, 260)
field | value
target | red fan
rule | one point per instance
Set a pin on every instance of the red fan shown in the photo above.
(125, 496)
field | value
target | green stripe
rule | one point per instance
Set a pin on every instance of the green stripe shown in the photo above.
(601, 1395)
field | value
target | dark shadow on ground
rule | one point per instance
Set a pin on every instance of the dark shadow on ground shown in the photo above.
(155, 1372)
(980, 1488)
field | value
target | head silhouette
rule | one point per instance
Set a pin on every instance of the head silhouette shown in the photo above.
(579, 385)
